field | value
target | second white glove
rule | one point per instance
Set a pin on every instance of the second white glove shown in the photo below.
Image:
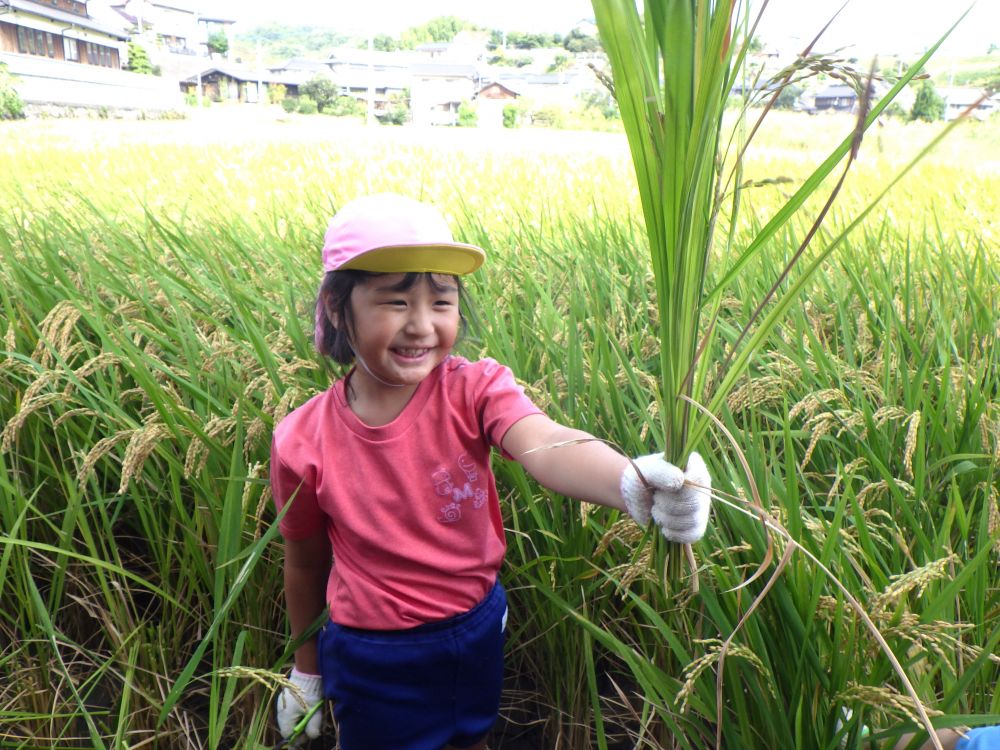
(290, 708)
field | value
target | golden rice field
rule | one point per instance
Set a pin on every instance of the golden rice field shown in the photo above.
(156, 283)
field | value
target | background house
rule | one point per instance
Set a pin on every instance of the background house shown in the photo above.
(490, 103)
(836, 98)
(438, 89)
(62, 30)
(235, 83)
(177, 26)
(958, 99)
(63, 56)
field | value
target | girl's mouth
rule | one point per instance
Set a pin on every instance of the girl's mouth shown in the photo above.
(410, 353)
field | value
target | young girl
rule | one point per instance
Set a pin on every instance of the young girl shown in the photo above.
(392, 519)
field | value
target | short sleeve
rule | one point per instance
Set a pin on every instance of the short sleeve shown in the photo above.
(304, 516)
(500, 402)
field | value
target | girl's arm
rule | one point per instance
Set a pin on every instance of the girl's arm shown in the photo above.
(589, 471)
(307, 567)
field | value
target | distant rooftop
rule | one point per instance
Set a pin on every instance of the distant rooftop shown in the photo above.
(85, 22)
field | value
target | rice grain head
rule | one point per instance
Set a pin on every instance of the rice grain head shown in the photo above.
(711, 656)
(878, 488)
(28, 408)
(884, 699)
(992, 495)
(270, 680)
(99, 362)
(817, 400)
(888, 413)
(56, 331)
(851, 468)
(628, 573)
(66, 416)
(624, 530)
(140, 446)
(911, 442)
(40, 383)
(912, 581)
(100, 449)
(197, 452)
(289, 398)
(762, 391)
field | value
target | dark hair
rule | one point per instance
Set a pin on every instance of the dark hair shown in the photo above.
(335, 296)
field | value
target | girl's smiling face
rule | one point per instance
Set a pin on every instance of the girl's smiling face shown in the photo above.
(401, 332)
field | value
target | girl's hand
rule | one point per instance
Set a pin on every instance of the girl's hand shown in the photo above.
(679, 501)
(292, 705)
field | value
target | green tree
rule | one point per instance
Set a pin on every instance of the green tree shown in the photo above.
(322, 90)
(307, 106)
(928, 105)
(519, 61)
(440, 29)
(218, 43)
(511, 115)
(549, 116)
(532, 40)
(445, 28)
(398, 111)
(11, 106)
(560, 63)
(346, 106)
(385, 43)
(468, 117)
(577, 42)
(276, 93)
(278, 42)
(138, 59)
(601, 101)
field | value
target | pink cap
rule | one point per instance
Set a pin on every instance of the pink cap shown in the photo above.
(390, 233)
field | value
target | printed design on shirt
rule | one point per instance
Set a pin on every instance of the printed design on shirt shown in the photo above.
(459, 495)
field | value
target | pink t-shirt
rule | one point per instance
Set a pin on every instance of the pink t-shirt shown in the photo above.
(411, 507)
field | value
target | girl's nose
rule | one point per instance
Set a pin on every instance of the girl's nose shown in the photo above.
(419, 321)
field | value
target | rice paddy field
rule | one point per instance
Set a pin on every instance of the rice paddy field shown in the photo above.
(156, 290)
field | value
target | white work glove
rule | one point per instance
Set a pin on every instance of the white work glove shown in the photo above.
(291, 707)
(679, 501)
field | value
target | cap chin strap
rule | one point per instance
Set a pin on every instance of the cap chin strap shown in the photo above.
(369, 370)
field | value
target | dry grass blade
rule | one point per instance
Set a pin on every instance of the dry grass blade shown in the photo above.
(581, 441)
(755, 493)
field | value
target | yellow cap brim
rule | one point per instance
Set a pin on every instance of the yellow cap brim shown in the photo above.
(453, 259)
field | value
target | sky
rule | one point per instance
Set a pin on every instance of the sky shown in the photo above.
(863, 27)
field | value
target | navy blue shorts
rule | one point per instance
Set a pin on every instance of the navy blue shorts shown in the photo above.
(418, 689)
